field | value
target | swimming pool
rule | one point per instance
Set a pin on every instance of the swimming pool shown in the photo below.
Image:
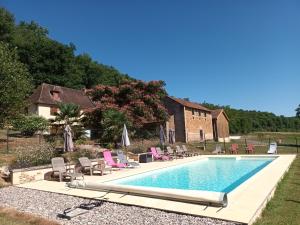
(217, 174)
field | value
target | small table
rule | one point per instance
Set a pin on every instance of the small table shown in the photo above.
(145, 157)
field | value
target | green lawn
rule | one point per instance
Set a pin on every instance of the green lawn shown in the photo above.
(284, 208)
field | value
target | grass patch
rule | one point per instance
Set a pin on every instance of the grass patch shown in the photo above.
(10, 216)
(284, 207)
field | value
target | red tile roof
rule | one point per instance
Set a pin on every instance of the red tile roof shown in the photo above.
(215, 113)
(190, 104)
(42, 95)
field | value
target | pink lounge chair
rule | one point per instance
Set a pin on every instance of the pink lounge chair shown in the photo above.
(109, 160)
(250, 148)
(234, 149)
(158, 156)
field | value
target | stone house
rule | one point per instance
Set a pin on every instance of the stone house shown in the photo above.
(194, 122)
(44, 100)
(220, 123)
(191, 121)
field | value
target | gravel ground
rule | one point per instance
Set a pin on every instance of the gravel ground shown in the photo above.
(48, 205)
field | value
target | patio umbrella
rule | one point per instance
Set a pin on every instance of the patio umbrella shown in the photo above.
(171, 136)
(162, 137)
(68, 142)
(125, 139)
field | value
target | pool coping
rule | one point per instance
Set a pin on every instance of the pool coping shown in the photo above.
(245, 203)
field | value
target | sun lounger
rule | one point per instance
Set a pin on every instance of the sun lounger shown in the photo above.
(218, 150)
(234, 149)
(58, 167)
(109, 160)
(250, 148)
(179, 151)
(170, 151)
(157, 156)
(159, 151)
(273, 148)
(189, 152)
(86, 166)
(123, 159)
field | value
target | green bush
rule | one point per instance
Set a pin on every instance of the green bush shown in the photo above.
(33, 156)
(74, 156)
(29, 125)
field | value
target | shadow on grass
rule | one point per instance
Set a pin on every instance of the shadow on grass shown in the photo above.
(291, 200)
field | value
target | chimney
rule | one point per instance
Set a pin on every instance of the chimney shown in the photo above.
(55, 95)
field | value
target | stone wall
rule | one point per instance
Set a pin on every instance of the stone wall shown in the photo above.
(176, 120)
(25, 175)
(223, 126)
(195, 123)
(21, 176)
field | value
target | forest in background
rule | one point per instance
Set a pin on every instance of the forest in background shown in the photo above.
(246, 121)
(52, 62)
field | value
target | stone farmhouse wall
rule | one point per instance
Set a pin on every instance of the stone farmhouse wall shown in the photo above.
(222, 127)
(176, 120)
(201, 120)
(187, 124)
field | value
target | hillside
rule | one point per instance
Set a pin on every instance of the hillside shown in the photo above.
(53, 62)
(245, 121)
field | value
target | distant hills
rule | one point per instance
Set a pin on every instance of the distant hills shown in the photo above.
(245, 121)
(50, 61)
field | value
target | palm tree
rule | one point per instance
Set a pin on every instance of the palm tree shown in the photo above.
(112, 124)
(68, 113)
(298, 111)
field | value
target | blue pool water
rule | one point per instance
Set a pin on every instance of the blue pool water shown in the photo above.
(212, 174)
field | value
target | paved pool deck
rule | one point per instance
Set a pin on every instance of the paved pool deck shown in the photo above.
(245, 203)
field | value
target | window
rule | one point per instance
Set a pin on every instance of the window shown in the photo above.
(204, 114)
(53, 110)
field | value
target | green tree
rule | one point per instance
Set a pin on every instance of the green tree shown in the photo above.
(7, 25)
(52, 62)
(15, 84)
(113, 122)
(29, 125)
(69, 113)
(298, 111)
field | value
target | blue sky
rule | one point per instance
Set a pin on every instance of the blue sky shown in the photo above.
(245, 54)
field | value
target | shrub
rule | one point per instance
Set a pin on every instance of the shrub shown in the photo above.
(28, 125)
(74, 156)
(33, 155)
(113, 122)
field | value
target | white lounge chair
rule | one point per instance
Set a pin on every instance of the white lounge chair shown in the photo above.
(273, 148)
(218, 150)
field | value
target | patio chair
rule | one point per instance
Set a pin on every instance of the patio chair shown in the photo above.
(250, 148)
(123, 159)
(157, 156)
(179, 152)
(234, 149)
(273, 148)
(86, 166)
(218, 150)
(170, 152)
(109, 160)
(58, 167)
(189, 152)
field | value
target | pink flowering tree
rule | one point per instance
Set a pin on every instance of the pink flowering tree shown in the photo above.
(140, 102)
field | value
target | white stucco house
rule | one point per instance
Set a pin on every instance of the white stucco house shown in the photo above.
(44, 100)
